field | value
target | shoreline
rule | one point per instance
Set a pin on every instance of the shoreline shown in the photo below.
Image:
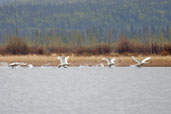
(43, 60)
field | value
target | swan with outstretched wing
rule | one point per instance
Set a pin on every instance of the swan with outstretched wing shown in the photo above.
(110, 62)
(63, 61)
(140, 63)
(16, 64)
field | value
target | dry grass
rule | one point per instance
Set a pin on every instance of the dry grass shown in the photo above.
(51, 60)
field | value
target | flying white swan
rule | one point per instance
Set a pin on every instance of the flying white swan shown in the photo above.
(15, 64)
(140, 63)
(110, 62)
(63, 61)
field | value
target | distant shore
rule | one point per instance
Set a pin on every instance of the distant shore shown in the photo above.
(43, 60)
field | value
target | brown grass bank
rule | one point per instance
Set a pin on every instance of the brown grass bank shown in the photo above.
(51, 60)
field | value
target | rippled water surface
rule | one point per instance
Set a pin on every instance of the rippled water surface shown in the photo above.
(85, 90)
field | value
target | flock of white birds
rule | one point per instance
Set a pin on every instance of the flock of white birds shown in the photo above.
(64, 62)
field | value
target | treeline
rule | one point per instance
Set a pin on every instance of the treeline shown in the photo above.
(91, 42)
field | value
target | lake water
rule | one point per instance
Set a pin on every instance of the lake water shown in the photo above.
(96, 90)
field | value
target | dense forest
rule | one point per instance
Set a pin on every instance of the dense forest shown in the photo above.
(59, 23)
(119, 15)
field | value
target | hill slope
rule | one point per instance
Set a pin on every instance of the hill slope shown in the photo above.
(121, 15)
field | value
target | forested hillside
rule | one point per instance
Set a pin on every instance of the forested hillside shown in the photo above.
(120, 15)
(142, 26)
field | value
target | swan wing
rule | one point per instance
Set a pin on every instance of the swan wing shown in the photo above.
(146, 59)
(66, 59)
(61, 59)
(15, 63)
(22, 63)
(11, 64)
(136, 60)
(113, 60)
(106, 59)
